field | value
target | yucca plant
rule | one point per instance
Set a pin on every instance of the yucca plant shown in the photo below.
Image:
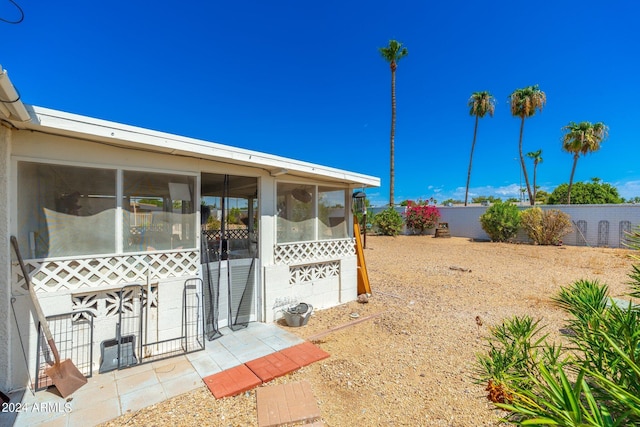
(557, 401)
(512, 347)
(595, 383)
(632, 240)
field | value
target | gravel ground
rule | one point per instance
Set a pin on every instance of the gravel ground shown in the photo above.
(409, 362)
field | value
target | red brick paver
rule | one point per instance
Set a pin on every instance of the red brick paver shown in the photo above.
(305, 354)
(232, 381)
(271, 366)
(245, 377)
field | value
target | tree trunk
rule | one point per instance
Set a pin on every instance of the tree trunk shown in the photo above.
(524, 166)
(473, 144)
(535, 167)
(392, 169)
(573, 170)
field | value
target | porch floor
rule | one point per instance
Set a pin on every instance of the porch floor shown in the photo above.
(109, 395)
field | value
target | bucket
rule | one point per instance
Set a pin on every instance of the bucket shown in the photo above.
(298, 315)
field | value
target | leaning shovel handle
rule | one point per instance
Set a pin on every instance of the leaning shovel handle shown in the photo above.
(43, 320)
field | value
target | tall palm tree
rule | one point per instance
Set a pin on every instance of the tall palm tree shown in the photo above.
(393, 53)
(582, 138)
(537, 158)
(524, 103)
(480, 104)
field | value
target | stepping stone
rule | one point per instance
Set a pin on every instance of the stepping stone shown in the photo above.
(285, 404)
(232, 381)
(305, 354)
(271, 366)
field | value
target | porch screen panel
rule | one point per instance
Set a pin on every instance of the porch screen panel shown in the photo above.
(296, 213)
(158, 211)
(66, 210)
(332, 220)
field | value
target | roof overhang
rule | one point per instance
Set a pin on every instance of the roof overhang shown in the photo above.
(125, 136)
(11, 107)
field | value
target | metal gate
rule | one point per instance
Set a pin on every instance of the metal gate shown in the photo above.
(132, 344)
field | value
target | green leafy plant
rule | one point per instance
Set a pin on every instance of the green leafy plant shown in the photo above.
(554, 400)
(388, 222)
(596, 383)
(421, 216)
(213, 223)
(632, 240)
(501, 221)
(546, 227)
(507, 362)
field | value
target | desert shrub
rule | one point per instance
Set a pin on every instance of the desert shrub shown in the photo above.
(546, 227)
(501, 221)
(596, 383)
(388, 222)
(421, 216)
(213, 223)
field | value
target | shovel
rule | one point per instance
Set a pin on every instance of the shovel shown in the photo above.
(64, 375)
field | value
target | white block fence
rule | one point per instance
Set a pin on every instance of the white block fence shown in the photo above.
(593, 225)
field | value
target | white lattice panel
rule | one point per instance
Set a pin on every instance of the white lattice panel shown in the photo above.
(304, 252)
(311, 272)
(90, 272)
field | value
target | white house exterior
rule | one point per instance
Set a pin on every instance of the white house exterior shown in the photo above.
(111, 221)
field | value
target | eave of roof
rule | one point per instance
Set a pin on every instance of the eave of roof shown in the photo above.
(77, 126)
(11, 107)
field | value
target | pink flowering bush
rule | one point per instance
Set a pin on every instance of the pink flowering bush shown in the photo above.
(421, 216)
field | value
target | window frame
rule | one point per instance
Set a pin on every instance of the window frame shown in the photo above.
(119, 204)
(315, 208)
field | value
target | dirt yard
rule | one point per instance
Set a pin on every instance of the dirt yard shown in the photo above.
(410, 361)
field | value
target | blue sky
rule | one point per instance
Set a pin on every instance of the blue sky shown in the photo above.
(305, 80)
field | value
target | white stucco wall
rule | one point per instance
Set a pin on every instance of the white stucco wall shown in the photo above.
(465, 222)
(5, 276)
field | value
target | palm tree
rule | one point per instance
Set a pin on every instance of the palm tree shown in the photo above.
(392, 54)
(582, 138)
(480, 104)
(524, 103)
(537, 158)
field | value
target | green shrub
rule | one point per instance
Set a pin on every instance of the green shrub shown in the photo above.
(501, 221)
(546, 227)
(389, 222)
(213, 223)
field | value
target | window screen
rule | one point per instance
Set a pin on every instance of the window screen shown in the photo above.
(66, 210)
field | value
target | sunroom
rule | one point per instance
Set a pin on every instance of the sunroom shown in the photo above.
(157, 241)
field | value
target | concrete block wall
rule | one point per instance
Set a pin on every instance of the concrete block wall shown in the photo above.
(465, 222)
(321, 293)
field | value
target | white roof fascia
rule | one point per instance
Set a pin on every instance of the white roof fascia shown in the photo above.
(11, 107)
(67, 124)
